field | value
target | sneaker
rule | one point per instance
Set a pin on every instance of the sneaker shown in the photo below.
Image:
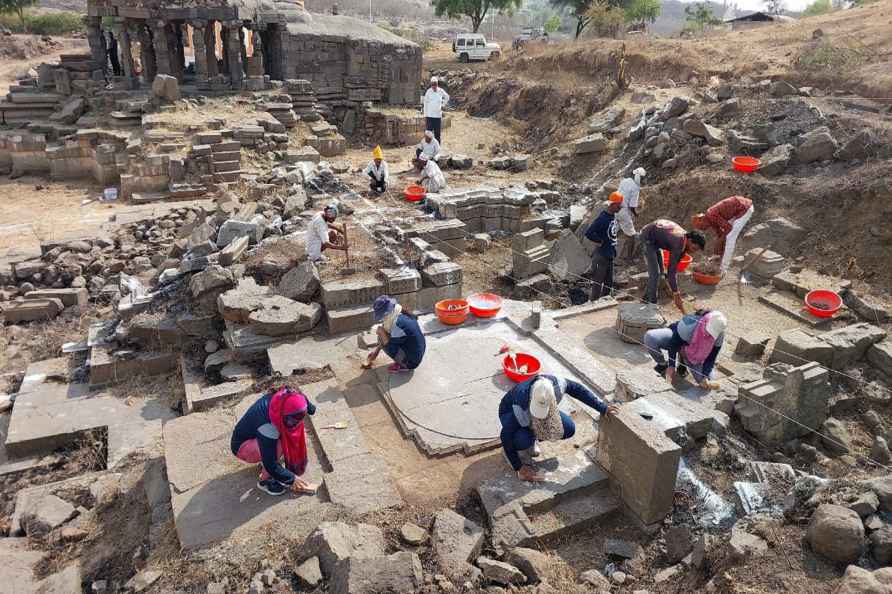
(536, 451)
(660, 369)
(271, 487)
(396, 368)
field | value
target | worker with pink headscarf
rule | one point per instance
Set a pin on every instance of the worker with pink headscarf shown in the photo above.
(698, 337)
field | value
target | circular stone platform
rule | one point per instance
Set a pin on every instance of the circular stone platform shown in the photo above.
(634, 319)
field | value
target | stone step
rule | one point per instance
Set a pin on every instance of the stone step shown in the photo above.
(107, 368)
(349, 319)
(31, 97)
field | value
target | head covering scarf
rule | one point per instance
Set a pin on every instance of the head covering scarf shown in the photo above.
(292, 439)
(391, 317)
(702, 341)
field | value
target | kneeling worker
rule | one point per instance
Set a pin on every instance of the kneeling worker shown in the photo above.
(432, 178)
(323, 234)
(399, 335)
(378, 172)
(529, 413)
(698, 337)
(726, 219)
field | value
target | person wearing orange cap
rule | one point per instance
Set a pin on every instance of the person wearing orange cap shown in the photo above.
(726, 218)
(603, 232)
(378, 172)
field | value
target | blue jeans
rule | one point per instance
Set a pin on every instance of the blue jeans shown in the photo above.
(516, 438)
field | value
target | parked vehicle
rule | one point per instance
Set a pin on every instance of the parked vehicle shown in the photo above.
(473, 46)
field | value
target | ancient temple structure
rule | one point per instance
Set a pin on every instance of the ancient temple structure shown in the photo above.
(239, 44)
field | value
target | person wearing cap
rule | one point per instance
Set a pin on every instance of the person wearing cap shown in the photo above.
(433, 102)
(429, 146)
(664, 234)
(698, 337)
(726, 219)
(272, 429)
(432, 177)
(323, 234)
(529, 412)
(378, 171)
(399, 335)
(603, 233)
(630, 188)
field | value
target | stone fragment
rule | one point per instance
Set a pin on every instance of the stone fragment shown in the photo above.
(622, 548)
(232, 229)
(166, 88)
(39, 515)
(817, 145)
(678, 543)
(743, 545)
(879, 451)
(236, 305)
(214, 278)
(713, 136)
(534, 564)
(399, 573)
(751, 344)
(456, 540)
(859, 147)
(308, 573)
(861, 581)
(865, 505)
(607, 120)
(143, 580)
(413, 535)
(850, 343)
(835, 437)
(500, 572)
(280, 316)
(880, 356)
(667, 574)
(881, 545)
(596, 579)
(301, 283)
(593, 143)
(781, 88)
(776, 160)
(334, 542)
(836, 533)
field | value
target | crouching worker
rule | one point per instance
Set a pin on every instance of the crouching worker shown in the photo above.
(323, 234)
(272, 430)
(378, 172)
(529, 413)
(698, 337)
(399, 335)
(432, 178)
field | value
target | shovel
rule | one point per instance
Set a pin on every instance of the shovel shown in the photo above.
(347, 268)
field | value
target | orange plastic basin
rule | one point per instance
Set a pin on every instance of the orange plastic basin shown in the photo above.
(682, 265)
(415, 193)
(523, 359)
(452, 311)
(745, 164)
(822, 303)
(706, 279)
(485, 305)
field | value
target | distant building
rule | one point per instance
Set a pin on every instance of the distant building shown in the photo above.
(756, 19)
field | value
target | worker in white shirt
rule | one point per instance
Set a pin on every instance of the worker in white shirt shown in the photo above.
(630, 188)
(378, 172)
(432, 178)
(428, 146)
(434, 100)
(323, 234)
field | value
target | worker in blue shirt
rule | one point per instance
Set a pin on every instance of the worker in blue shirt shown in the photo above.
(399, 335)
(603, 233)
(529, 413)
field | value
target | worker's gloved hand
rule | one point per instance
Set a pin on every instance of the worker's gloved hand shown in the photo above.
(529, 475)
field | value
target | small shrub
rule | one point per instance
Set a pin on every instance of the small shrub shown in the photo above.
(830, 59)
(47, 23)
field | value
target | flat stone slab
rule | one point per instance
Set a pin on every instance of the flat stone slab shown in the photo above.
(450, 402)
(215, 496)
(574, 494)
(679, 417)
(794, 307)
(50, 414)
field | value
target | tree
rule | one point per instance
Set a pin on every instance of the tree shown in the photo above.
(552, 24)
(643, 11)
(579, 9)
(699, 16)
(818, 7)
(17, 7)
(604, 19)
(774, 6)
(476, 10)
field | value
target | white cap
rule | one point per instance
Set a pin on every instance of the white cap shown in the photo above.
(541, 398)
(716, 324)
(428, 132)
(423, 158)
(640, 172)
(434, 79)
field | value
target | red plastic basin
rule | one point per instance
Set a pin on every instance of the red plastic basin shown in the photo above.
(415, 193)
(746, 164)
(822, 303)
(531, 362)
(452, 311)
(682, 265)
(485, 305)
(706, 279)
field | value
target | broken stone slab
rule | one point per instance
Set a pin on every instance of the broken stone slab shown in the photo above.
(879, 356)
(441, 274)
(534, 564)
(790, 305)
(816, 145)
(713, 136)
(593, 143)
(399, 573)
(236, 305)
(280, 316)
(500, 572)
(569, 259)
(798, 346)
(108, 366)
(861, 146)
(606, 121)
(76, 297)
(751, 344)
(362, 485)
(308, 573)
(681, 419)
(869, 311)
(622, 548)
(233, 229)
(455, 540)
(143, 580)
(335, 542)
(290, 358)
(765, 263)
(343, 293)
(31, 310)
(635, 383)
(212, 279)
(301, 283)
(743, 545)
(398, 281)
(37, 513)
(850, 343)
(232, 252)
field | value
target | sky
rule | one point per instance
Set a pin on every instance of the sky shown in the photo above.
(753, 5)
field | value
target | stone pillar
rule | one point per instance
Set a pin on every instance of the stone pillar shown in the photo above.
(147, 55)
(231, 42)
(210, 43)
(198, 47)
(122, 34)
(161, 43)
(256, 67)
(95, 39)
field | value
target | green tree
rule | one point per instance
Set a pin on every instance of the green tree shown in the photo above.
(818, 7)
(699, 16)
(579, 9)
(643, 11)
(17, 7)
(605, 20)
(552, 24)
(476, 10)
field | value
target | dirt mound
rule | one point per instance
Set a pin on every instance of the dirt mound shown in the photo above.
(25, 47)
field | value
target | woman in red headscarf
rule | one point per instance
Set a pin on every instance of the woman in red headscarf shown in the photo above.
(273, 430)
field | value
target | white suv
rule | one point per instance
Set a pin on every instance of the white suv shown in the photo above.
(473, 46)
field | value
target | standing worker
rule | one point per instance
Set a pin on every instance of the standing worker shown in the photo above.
(323, 234)
(432, 177)
(434, 100)
(529, 413)
(378, 172)
(272, 429)
(664, 234)
(603, 233)
(698, 337)
(630, 188)
(726, 219)
(399, 335)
